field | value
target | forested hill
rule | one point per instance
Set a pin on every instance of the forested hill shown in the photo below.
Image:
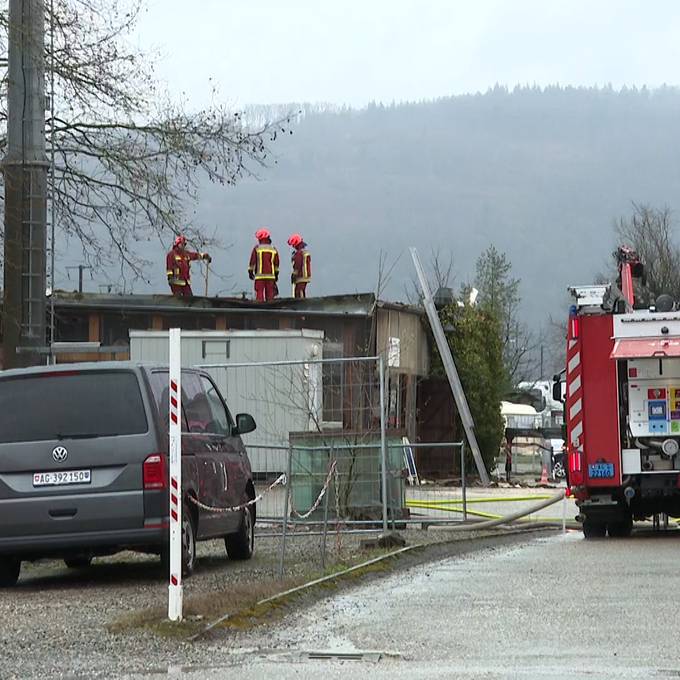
(540, 173)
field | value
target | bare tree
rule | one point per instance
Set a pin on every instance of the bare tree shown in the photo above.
(649, 231)
(440, 275)
(128, 159)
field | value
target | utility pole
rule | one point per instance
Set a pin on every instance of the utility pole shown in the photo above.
(25, 170)
(80, 268)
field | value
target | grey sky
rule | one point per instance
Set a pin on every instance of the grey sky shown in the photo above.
(353, 51)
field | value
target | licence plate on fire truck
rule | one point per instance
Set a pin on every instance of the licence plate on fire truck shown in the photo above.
(61, 477)
(601, 470)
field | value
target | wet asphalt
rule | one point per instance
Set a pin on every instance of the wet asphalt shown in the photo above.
(552, 607)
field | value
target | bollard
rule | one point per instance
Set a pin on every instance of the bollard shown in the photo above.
(383, 443)
(462, 479)
(325, 514)
(286, 503)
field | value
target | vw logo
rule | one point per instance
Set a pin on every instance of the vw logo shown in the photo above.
(60, 454)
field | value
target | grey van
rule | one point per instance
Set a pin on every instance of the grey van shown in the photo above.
(84, 466)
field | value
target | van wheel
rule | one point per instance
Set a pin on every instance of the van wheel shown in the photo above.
(9, 571)
(188, 546)
(593, 529)
(78, 561)
(241, 545)
(188, 542)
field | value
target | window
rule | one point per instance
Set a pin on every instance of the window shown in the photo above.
(202, 409)
(116, 327)
(71, 328)
(215, 350)
(71, 404)
(195, 404)
(187, 322)
(220, 415)
(161, 391)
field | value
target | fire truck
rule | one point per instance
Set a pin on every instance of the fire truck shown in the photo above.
(622, 406)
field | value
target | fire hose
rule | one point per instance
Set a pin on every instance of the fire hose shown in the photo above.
(490, 523)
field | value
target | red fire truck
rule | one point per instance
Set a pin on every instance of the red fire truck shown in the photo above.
(622, 408)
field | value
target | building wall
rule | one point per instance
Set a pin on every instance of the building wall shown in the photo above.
(413, 346)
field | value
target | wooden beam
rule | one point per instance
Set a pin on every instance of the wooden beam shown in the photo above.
(94, 327)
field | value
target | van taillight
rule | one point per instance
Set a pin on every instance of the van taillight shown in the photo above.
(155, 476)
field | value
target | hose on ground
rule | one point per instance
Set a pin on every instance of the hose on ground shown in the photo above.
(490, 523)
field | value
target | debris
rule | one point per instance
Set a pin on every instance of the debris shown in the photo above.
(389, 540)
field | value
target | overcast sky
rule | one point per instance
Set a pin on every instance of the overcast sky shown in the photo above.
(355, 51)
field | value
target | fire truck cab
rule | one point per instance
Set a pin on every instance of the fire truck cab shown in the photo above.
(622, 409)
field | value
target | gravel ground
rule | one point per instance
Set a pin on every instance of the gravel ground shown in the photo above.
(54, 623)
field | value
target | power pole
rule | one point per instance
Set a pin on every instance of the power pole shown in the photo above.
(25, 169)
(80, 268)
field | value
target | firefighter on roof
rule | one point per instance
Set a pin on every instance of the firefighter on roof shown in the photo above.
(178, 266)
(264, 267)
(302, 266)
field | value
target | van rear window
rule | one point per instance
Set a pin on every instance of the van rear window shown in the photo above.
(70, 404)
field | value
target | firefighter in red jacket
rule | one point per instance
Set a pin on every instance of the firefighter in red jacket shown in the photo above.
(178, 267)
(264, 267)
(302, 266)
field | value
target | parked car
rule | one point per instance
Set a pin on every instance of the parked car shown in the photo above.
(84, 465)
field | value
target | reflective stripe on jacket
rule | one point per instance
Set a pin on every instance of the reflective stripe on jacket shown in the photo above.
(302, 266)
(178, 266)
(264, 262)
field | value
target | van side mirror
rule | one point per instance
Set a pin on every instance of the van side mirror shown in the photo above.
(557, 390)
(245, 423)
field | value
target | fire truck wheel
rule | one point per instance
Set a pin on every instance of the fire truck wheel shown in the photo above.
(592, 529)
(621, 529)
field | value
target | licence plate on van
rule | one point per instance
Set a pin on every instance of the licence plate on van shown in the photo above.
(62, 477)
(601, 470)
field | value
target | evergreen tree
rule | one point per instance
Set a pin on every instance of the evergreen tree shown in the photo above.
(475, 341)
(499, 296)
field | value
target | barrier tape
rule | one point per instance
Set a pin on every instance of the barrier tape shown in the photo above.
(500, 499)
(329, 476)
(211, 508)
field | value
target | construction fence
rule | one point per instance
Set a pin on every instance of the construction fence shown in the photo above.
(323, 423)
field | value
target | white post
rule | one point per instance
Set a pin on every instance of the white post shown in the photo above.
(564, 513)
(175, 493)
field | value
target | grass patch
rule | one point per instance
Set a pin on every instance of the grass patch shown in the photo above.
(241, 601)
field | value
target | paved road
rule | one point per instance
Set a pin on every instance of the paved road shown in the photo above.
(554, 607)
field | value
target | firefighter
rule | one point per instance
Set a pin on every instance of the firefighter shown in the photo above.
(264, 267)
(302, 266)
(508, 461)
(178, 266)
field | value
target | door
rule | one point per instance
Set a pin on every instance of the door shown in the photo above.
(231, 453)
(207, 444)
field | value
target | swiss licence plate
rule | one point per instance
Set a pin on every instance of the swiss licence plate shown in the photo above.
(61, 477)
(601, 470)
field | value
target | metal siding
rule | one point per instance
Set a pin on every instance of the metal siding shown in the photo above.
(600, 398)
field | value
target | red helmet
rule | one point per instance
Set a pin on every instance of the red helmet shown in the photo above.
(295, 240)
(262, 234)
(180, 241)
